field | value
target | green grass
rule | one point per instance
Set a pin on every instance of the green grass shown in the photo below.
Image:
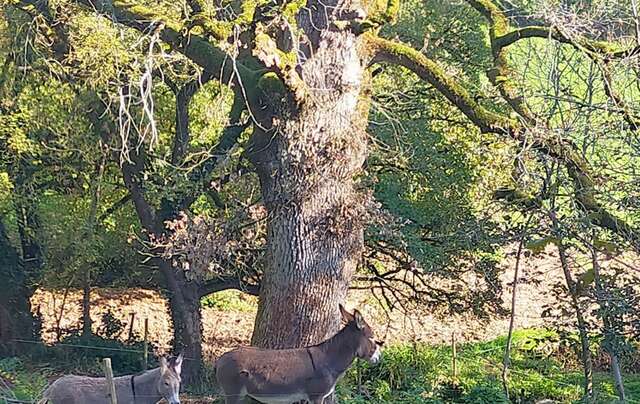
(229, 300)
(422, 374)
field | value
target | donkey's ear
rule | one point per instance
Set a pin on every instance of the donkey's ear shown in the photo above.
(346, 316)
(359, 319)
(163, 365)
(177, 364)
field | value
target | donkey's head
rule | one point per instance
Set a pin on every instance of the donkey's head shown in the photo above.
(367, 347)
(169, 381)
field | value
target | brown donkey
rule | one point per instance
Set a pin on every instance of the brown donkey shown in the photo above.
(290, 375)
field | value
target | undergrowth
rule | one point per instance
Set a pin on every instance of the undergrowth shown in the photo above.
(423, 374)
(409, 374)
(18, 382)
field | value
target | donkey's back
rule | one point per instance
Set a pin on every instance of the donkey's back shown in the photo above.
(72, 389)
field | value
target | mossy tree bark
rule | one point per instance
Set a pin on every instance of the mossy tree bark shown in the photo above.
(308, 147)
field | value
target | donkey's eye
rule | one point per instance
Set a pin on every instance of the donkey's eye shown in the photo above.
(166, 384)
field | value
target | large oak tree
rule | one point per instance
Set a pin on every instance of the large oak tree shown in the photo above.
(301, 71)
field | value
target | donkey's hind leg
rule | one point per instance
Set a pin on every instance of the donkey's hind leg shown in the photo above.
(316, 399)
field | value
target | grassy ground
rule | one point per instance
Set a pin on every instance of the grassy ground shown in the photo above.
(541, 369)
(423, 374)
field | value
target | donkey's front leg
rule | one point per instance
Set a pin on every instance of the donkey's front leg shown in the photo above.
(235, 397)
(316, 399)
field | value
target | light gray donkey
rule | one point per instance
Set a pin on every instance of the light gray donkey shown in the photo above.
(145, 388)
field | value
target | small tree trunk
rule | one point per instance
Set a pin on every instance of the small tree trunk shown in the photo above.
(617, 377)
(86, 304)
(587, 363)
(28, 272)
(506, 360)
(16, 320)
(28, 228)
(90, 235)
(611, 337)
(187, 322)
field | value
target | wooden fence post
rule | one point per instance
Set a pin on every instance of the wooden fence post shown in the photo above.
(111, 387)
(133, 317)
(454, 358)
(145, 353)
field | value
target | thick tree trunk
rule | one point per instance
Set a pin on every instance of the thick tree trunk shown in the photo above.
(187, 328)
(307, 152)
(312, 261)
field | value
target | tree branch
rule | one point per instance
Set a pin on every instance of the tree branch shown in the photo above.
(183, 100)
(576, 165)
(194, 47)
(111, 209)
(500, 36)
(604, 49)
(554, 146)
(218, 285)
(55, 33)
(503, 36)
(401, 54)
(228, 139)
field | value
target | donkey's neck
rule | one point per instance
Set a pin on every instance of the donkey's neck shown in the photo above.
(146, 386)
(340, 350)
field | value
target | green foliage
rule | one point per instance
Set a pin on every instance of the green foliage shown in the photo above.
(433, 177)
(229, 300)
(485, 394)
(20, 383)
